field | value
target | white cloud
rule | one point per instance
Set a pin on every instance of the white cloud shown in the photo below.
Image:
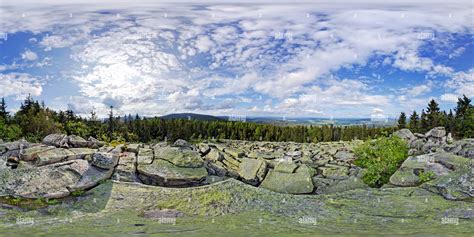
(29, 55)
(19, 85)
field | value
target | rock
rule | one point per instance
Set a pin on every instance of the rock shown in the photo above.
(253, 170)
(104, 160)
(56, 139)
(125, 171)
(94, 143)
(218, 168)
(457, 185)
(296, 183)
(50, 181)
(53, 156)
(182, 143)
(345, 156)
(76, 141)
(215, 155)
(439, 164)
(164, 173)
(234, 152)
(134, 148)
(437, 132)
(294, 154)
(334, 171)
(204, 149)
(83, 153)
(180, 157)
(306, 169)
(145, 156)
(28, 154)
(340, 186)
(17, 145)
(449, 138)
(285, 167)
(321, 160)
(405, 134)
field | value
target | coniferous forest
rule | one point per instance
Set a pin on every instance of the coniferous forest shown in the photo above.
(34, 120)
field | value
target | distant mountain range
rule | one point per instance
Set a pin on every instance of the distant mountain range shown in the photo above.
(281, 120)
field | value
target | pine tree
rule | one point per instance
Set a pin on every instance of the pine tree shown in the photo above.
(424, 125)
(433, 115)
(402, 121)
(111, 122)
(414, 123)
(3, 110)
(462, 106)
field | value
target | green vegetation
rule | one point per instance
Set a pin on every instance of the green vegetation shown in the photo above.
(461, 124)
(381, 157)
(426, 176)
(77, 193)
(34, 121)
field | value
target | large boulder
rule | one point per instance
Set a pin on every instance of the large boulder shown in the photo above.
(29, 154)
(56, 139)
(332, 171)
(104, 160)
(53, 156)
(164, 173)
(145, 156)
(252, 170)
(51, 181)
(180, 157)
(126, 169)
(437, 132)
(405, 134)
(435, 164)
(295, 183)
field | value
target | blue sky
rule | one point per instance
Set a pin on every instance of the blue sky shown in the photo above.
(318, 59)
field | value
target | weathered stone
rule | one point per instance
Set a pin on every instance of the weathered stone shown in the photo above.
(125, 171)
(94, 143)
(28, 154)
(334, 171)
(204, 149)
(344, 155)
(341, 186)
(160, 214)
(296, 183)
(145, 156)
(134, 147)
(234, 152)
(252, 170)
(76, 141)
(405, 134)
(215, 155)
(182, 143)
(285, 167)
(104, 160)
(83, 153)
(437, 132)
(180, 157)
(439, 164)
(51, 181)
(449, 138)
(306, 169)
(57, 140)
(164, 173)
(16, 145)
(53, 156)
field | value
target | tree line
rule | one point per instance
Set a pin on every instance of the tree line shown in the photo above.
(34, 120)
(460, 123)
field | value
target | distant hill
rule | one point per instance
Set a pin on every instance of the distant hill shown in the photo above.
(202, 117)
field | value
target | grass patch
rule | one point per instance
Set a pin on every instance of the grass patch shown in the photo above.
(381, 157)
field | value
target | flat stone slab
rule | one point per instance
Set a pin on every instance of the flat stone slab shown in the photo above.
(180, 157)
(164, 173)
(296, 183)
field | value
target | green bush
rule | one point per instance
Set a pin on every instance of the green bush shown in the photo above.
(426, 176)
(381, 158)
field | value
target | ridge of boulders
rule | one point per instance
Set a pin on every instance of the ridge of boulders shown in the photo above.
(61, 165)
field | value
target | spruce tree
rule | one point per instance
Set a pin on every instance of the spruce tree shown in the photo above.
(402, 121)
(424, 125)
(3, 110)
(433, 115)
(414, 122)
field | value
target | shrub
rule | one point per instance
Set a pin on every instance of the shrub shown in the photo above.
(426, 176)
(381, 158)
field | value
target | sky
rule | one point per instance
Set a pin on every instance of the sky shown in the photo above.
(341, 59)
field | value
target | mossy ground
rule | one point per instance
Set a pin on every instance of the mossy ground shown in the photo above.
(236, 209)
